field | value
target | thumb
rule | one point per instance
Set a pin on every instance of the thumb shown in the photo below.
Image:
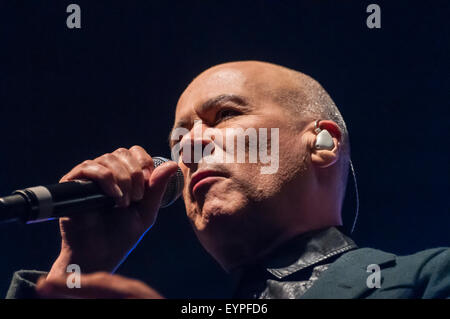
(156, 187)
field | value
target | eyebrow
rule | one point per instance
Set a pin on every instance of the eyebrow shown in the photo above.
(240, 100)
(208, 105)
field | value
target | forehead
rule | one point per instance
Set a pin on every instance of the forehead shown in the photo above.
(211, 84)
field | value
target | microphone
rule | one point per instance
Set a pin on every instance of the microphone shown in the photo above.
(42, 203)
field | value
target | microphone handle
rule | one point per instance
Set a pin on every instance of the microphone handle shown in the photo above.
(41, 203)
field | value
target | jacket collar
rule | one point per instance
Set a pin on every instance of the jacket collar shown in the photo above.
(299, 253)
(308, 250)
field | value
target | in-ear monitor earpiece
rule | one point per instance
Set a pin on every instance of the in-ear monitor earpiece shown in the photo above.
(324, 140)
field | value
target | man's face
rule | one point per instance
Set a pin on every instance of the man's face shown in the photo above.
(225, 194)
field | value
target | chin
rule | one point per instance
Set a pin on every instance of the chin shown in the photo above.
(218, 211)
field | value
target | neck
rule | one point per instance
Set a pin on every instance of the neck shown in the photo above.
(259, 234)
(248, 236)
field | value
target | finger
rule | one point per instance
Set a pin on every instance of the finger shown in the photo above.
(121, 176)
(96, 172)
(144, 159)
(155, 190)
(96, 285)
(52, 288)
(59, 288)
(135, 171)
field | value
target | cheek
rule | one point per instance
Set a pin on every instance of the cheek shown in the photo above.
(292, 162)
(250, 184)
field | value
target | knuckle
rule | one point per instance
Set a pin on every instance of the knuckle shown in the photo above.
(137, 148)
(82, 167)
(86, 163)
(121, 151)
(107, 157)
(141, 155)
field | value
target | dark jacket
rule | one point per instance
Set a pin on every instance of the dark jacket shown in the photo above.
(325, 264)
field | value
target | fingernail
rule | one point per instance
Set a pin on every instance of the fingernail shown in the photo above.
(118, 191)
(146, 172)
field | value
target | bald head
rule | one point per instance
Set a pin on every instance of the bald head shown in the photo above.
(302, 96)
(297, 91)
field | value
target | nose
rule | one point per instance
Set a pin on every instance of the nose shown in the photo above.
(196, 145)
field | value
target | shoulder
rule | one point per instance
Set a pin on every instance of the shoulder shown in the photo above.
(433, 271)
(440, 255)
(426, 273)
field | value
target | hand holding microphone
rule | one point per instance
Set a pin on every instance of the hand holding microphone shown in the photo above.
(101, 241)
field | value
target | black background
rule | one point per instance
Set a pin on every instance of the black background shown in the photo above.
(67, 95)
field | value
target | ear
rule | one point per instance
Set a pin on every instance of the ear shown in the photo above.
(325, 158)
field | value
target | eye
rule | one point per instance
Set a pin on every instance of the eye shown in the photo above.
(226, 114)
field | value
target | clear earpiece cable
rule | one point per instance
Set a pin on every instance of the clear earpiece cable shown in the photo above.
(357, 197)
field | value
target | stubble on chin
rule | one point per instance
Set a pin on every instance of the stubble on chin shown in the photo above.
(222, 200)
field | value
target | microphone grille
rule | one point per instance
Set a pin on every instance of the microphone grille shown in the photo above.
(174, 186)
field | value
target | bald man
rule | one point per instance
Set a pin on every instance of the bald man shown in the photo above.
(278, 232)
